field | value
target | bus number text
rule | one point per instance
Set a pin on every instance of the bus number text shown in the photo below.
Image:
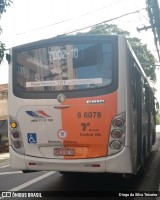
(89, 114)
(62, 54)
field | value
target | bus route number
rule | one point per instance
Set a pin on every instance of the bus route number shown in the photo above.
(62, 54)
(89, 114)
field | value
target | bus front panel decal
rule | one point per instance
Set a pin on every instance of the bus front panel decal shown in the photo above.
(88, 125)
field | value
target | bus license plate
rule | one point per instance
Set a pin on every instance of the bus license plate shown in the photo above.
(64, 152)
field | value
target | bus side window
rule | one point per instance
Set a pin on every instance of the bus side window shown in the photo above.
(147, 99)
(133, 82)
(157, 105)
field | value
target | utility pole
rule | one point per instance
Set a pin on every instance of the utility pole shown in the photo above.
(154, 17)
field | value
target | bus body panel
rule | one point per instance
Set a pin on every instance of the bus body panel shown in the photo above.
(120, 163)
(76, 134)
(91, 122)
(83, 127)
(122, 75)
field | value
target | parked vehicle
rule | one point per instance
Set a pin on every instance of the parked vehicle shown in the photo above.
(4, 135)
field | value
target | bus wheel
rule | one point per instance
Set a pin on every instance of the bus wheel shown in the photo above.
(143, 167)
(27, 171)
(64, 173)
(153, 137)
(68, 173)
(127, 176)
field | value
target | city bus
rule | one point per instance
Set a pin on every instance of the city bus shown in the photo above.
(79, 103)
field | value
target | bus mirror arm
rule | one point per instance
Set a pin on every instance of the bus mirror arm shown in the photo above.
(8, 58)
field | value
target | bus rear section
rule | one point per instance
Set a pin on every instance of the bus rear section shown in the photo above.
(70, 110)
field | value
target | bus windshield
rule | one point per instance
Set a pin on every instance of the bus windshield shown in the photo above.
(64, 67)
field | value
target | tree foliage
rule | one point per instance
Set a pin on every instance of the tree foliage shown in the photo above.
(158, 119)
(3, 5)
(109, 29)
(145, 57)
(143, 54)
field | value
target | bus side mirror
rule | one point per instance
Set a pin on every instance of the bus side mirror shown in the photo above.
(8, 58)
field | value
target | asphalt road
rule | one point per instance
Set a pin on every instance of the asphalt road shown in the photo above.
(80, 186)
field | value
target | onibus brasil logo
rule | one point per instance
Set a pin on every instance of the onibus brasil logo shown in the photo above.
(39, 116)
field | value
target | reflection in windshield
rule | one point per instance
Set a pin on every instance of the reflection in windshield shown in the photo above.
(65, 67)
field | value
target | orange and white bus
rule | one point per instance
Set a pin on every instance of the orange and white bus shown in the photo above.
(79, 104)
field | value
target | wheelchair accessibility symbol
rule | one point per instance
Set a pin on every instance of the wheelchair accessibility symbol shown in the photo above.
(32, 138)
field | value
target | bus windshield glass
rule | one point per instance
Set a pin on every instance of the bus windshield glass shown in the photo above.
(64, 67)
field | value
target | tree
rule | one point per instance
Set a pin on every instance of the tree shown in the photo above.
(144, 56)
(3, 5)
(109, 29)
(157, 119)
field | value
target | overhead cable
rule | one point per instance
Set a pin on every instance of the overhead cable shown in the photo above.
(109, 20)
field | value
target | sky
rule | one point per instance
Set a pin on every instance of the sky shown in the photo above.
(27, 20)
(31, 20)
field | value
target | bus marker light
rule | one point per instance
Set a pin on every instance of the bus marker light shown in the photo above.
(32, 163)
(92, 165)
(96, 165)
(13, 124)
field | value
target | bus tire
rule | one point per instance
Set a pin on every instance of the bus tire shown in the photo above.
(127, 176)
(68, 173)
(64, 173)
(153, 137)
(143, 167)
(28, 171)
